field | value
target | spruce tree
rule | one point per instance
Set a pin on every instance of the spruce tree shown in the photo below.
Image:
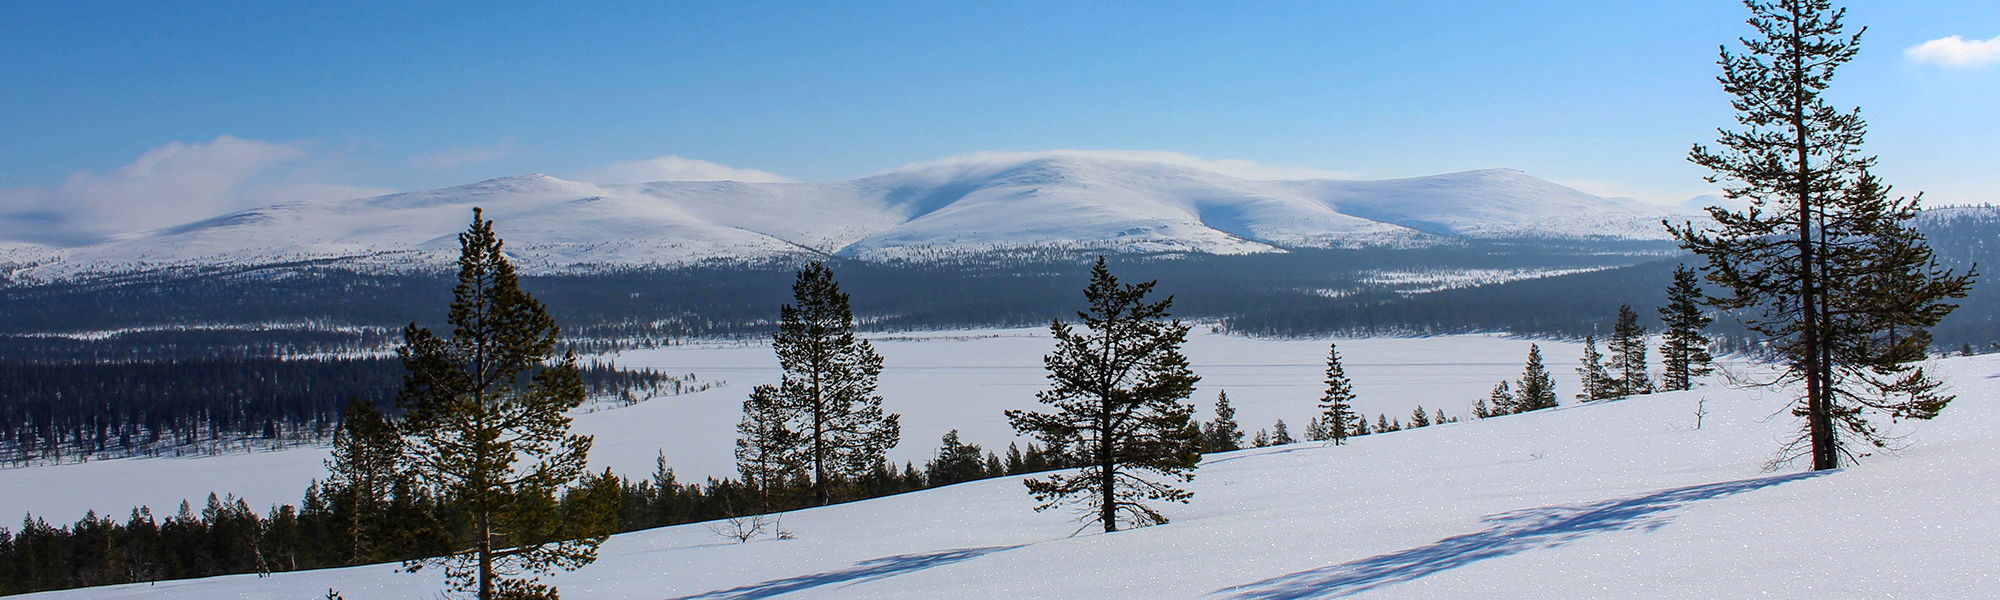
(1360, 427)
(1538, 390)
(826, 396)
(1281, 435)
(1683, 348)
(955, 462)
(361, 475)
(1418, 418)
(488, 427)
(1337, 404)
(1440, 419)
(1382, 423)
(1119, 390)
(767, 449)
(1628, 355)
(1479, 410)
(1222, 434)
(1822, 262)
(1503, 400)
(1596, 381)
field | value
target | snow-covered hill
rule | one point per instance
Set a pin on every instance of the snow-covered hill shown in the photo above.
(1625, 499)
(951, 208)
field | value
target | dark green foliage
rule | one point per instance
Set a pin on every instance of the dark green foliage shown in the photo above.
(1336, 406)
(1683, 347)
(1119, 390)
(1281, 435)
(361, 480)
(1822, 263)
(487, 425)
(1628, 355)
(1222, 434)
(825, 418)
(1591, 374)
(955, 462)
(1537, 389)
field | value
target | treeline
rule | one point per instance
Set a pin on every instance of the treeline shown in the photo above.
(327, 530)
(63, 411)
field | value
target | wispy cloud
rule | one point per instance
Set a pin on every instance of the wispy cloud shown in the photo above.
(445, 160)
(1956, 51)
(169, 185)
(673, 168)
(1243, 169)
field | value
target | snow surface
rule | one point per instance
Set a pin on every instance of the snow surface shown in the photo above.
(927, 211)
(1610, 500)
(937, 381)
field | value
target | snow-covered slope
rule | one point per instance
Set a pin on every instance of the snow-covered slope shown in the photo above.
(948, 208)
(1624, 499)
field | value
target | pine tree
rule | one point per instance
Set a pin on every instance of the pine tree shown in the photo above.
(1119, 389)
(1439, 419)
(1316, 430)
(827, 394)
(1538, 390)
(1479, 410)
(767, 450)
(1337, 404)
(1503, 400)
(1628, 355)
(1280, 435)
(1596, 381)
(361, 475)
(1016, 464)
(1822, 262)
(1683, 348)
(1418, 418)
(955, 462)
(1360, 427)
(488, 427)
(1382, 423)
(1222, 434)
(1261, 439)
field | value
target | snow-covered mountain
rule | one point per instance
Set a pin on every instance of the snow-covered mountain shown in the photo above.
(950, 208)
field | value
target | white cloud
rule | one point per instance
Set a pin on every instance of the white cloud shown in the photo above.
(673, 168)
(1242, 169)
(445, 160)
(1956, 51)
(168, 185)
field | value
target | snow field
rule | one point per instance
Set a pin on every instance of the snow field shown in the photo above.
(1611, 500)
(937, 381)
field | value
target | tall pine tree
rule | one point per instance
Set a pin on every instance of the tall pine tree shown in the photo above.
(1222, 434)
(1537, 389)
(361, 476)
(488, 427)
(1628, 355)
(1119, 389)
(1683, 348)
(1596, 381)
(1822, 262)
(1337, 404)
(826, 399)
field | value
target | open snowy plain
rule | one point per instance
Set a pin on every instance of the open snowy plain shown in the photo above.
(1610, 500)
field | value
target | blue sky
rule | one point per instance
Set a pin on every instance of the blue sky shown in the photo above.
(235, 103)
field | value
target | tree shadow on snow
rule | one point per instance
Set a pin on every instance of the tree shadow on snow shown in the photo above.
(868, 570)
(1512, 532)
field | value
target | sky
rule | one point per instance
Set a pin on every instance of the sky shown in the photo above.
(119, 116)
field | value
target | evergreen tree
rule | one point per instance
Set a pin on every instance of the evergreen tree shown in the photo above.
(1538, 390)
(1119, 389)
(1683, 348)
(1822, 262)
(1479, 410)
(1016, 464)
(1337, 404)
(1360, 427)
(1261, 439)
(488, 426)
(955, 462)
(827, 394)
(1418, 418)
(1382, 423)
(767, 450)
(1222, 434)
(1596, 381)
(1316, 430)
(1439, 419)
(361, 475)
(1628, 355)
(1281, 435)
(1503, 400)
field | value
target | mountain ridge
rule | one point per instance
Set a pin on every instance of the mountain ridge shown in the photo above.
(1070, 202)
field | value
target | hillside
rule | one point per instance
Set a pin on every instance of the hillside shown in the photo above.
(1619, 499)
(941, 210)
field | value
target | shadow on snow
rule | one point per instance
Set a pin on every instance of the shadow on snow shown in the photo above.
(1512, 532)
(868, 570)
